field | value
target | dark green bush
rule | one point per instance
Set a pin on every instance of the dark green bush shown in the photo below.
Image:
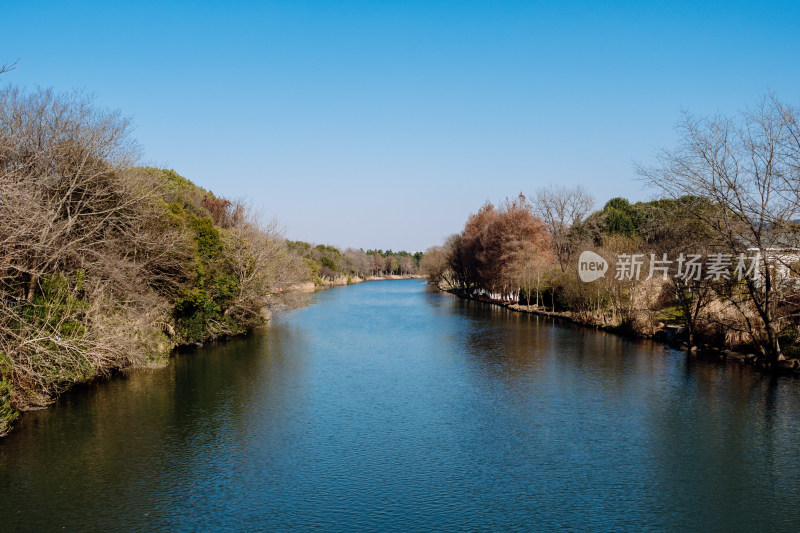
(7, 413)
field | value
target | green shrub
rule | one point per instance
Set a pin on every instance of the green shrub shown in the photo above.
(59, 305)
(192, 314)
(7, 413)
(225, 288)
(209, 242)
(313, 266)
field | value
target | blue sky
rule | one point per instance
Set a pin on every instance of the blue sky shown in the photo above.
(384, 124)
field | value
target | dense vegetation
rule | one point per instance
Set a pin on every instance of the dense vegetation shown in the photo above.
(106, 265)
(718, 254)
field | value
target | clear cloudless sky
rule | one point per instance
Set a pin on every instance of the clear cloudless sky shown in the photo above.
(384, 124)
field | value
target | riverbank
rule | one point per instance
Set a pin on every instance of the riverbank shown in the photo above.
(668, 334)
(169, 349)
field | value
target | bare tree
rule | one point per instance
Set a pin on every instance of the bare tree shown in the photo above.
(62, 178)
(528, 271)
(357, 262)
(257, 254)
(434, 264)
(747, 167)
(406, 265)
(391, 264)
(560, 208)
(79, 228)
(457, 274)
(8, 67)
(378, 264)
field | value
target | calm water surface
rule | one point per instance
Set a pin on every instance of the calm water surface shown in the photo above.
(383, 406)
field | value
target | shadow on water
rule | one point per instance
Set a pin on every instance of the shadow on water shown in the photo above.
(124, 443)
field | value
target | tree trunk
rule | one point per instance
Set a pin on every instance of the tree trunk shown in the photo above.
(34, 281)
(773, 344)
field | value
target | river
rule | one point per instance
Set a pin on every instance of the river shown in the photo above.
(386, 406)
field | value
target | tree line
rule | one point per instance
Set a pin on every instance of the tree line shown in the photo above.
(327, 263)
(718, 252)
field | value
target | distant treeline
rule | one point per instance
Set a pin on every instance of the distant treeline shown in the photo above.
(327, 262)
(718, 254)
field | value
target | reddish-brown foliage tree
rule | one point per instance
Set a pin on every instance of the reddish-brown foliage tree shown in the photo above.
(494, 237)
